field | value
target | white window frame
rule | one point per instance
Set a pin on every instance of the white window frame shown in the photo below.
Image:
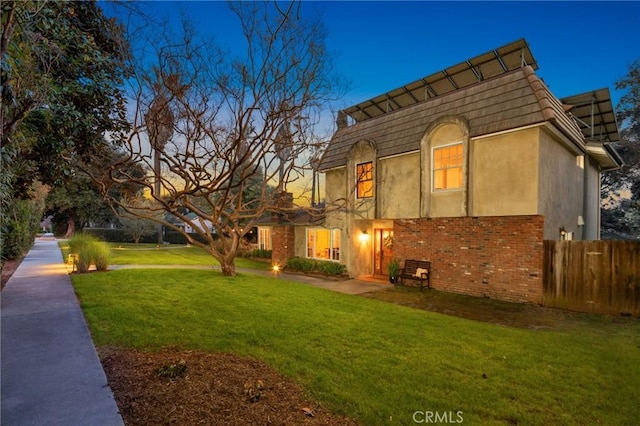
(334, 250)
(433, 169)
(265, 238)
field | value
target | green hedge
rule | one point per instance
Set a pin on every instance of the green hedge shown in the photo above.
(114, 235)
(261, 253)
(303, 264)
(19, 227)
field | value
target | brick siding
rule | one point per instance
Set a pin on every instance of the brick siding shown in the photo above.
(282, 243)
(500, 257)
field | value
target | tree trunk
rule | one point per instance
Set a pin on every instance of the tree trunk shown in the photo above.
(228, 268)
(71, 227)
(228, 256)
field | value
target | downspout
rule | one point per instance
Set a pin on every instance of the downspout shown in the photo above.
(585, 199)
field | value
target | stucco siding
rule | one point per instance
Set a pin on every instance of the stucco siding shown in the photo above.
(561, 184)
(504, 174)
(300, 241)
(335, 193)
(399, 187)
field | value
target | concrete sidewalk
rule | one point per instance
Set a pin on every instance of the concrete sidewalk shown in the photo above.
(51, 373)
(350, 286)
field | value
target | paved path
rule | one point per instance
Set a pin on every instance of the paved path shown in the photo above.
(351, 286)
(51, 373)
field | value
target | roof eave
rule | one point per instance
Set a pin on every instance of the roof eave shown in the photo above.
(606, 155)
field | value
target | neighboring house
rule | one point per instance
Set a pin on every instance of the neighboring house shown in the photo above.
(195, 224)
(470, 168)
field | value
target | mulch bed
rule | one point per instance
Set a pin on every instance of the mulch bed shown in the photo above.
(174, 387)
(8, 268)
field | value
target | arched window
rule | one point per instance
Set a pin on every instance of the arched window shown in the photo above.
(444, 154)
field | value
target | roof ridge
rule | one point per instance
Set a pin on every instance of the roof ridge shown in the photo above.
(552, 108)
(542, 93)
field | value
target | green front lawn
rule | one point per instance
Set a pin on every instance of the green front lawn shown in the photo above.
(377, 361)
(151, 254)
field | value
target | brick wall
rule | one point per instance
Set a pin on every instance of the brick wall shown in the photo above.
(500, 257)
(282, 243)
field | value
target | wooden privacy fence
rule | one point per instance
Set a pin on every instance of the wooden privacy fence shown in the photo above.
(592, 276)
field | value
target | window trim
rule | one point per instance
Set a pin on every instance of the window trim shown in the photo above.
(433, 169)
(332, 243)
(359, 181)
(267, 230)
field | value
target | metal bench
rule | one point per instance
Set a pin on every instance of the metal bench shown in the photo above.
(419, 270)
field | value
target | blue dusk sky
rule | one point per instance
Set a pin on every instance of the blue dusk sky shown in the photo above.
(380, 45)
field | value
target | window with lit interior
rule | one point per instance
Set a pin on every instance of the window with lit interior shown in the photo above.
(264, 238)
(447, 167)
(323, 244)
(364, 180)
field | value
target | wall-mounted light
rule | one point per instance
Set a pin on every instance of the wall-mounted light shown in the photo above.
(364, 236)
(563, 233)
(580, 221)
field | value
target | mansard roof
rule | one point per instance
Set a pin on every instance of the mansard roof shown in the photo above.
(511, 99)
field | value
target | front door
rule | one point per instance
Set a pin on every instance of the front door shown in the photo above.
(383, 249)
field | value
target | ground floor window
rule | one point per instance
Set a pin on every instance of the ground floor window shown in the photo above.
(264, 238)
(323, 243)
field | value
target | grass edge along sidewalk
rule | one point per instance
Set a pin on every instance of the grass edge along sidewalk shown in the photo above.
(371, 360)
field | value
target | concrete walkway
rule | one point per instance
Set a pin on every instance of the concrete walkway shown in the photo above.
(350, 286)
(51, 373)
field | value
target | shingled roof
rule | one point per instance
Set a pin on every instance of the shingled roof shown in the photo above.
(511, 100)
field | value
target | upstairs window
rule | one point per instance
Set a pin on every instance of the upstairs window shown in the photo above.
(447, 167)
(364, 180)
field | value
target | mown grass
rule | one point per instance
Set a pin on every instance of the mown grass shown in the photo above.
(376, 361)
(151, 254)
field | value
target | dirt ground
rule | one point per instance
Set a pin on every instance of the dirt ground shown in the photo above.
(188, 388)
(8, 268)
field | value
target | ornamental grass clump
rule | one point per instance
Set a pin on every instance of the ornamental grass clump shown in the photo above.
(101, 255)
(88, 251)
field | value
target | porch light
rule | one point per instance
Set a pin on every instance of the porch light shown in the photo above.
(364, 236)
(563, 233)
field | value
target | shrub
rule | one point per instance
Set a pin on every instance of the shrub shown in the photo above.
(301, 264)
(19, 226)
(332, 268)
(326, 267)
(261, 253)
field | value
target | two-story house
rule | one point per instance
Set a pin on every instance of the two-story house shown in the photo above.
(471, 168)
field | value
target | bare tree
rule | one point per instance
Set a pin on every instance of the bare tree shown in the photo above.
(229, 133)
(133, 225)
